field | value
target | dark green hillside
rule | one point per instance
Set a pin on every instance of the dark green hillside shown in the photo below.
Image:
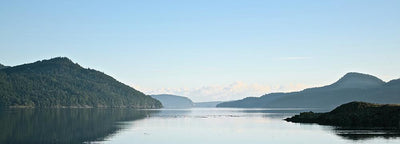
(59, 82)
(354, 114)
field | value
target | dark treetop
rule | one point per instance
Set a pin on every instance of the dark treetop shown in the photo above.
(2, 66)
(354, 114)
(59, 82)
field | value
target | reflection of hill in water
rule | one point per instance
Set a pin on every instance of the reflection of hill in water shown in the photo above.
(62, 125)
(366, 134)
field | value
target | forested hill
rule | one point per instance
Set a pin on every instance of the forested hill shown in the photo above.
(59, 82)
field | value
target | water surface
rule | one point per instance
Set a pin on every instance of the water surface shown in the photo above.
(174, 126)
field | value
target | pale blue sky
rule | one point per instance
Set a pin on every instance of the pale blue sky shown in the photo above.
(191, 45)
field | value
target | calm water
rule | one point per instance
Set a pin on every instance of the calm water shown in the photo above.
(173, 126)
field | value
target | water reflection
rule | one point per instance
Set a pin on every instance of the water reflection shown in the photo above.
(348, 133)
(279, 113)
(171, 113)
(62, 125)
(169, 125)
(357, 134)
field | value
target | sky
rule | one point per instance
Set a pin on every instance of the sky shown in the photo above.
(208, 50)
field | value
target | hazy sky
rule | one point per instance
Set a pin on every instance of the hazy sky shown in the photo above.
(208, 50)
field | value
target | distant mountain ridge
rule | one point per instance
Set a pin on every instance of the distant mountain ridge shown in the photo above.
(174, 101)
(59, 82)
(357, 80)
(351, 87)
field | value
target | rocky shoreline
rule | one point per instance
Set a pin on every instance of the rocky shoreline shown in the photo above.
(354, 114)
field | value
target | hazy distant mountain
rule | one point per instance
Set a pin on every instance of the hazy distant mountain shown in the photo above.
(207, 104)
(357, 80)
(173, 101)
(351, 87)
(252, 102)
(59, 82)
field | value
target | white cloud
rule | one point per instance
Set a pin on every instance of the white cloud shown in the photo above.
(233, 91)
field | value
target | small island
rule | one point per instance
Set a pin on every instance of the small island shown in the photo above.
(354, 114)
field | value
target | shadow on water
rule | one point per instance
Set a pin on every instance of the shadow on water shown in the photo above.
(63, 125)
